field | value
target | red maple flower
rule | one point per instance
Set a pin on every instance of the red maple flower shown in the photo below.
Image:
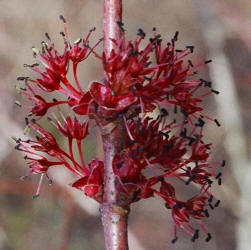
(156, 150)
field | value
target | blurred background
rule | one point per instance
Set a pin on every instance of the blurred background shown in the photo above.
(62, 218)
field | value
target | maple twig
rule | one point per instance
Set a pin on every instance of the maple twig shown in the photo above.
(114, 213)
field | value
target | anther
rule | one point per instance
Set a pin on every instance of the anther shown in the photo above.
(183, 133)
(26, 121)
(218, 175)
(147, 78)
(166, 134)
(195, 236)
(26, 130)
(48, 119)
(191, 48)
(35, 196)
(215, 91)
(190, 63)
(18, 103)
(141, 33)
(120, 24)
(35, 51)
(200, 123)
(78, 41)
(184, 112)
(164, 112)
(206, 213)
(93, 29)
(54, 100)
(131, 142)
(174, 240)
(22, 178)
(190, 179)
(217, 122)
(22, 78)
(31, 65)
(62, 18)
(209, 181)
(47, 36)
(208, 61)
(217, 203)
(219, 181)
(211, 206)
(17, 147)
(210, 198)
(175, 38)
(223, 163)
(119, 165)
(160, 178)
(14, 138)
(209, 237)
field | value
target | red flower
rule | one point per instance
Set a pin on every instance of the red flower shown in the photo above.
(39, 166)
(41, 107)
(156, 150)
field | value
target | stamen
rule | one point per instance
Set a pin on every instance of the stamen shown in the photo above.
(39, 187)
(215, 91)
(219, 181)
(209, 237)
(22, 178)
(174, 240)
(128, 130)
(218, 175)
(120, 24)
(208, 61)
(62, 18)
(47, 36)
(18, 103)
(206, 213)
(191, 48)
(195, 236)
(217, 122)
(141, 33)
(119, 165)
(217, 203)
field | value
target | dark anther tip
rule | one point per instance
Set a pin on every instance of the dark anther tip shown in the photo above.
(62, 18)
(174, 240)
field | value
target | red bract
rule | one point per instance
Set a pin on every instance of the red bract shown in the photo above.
(108, 101)
(155, 151)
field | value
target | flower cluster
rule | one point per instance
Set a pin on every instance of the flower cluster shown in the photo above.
(154, 88)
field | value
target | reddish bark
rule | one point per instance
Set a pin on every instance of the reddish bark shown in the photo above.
(112, 15)
(114, 212)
